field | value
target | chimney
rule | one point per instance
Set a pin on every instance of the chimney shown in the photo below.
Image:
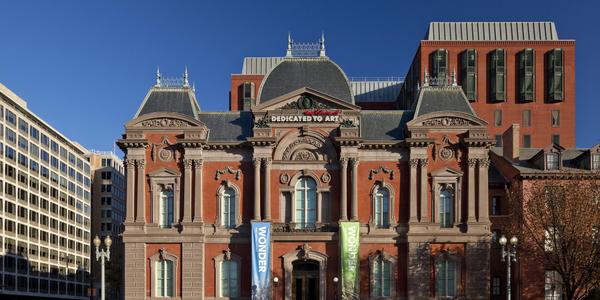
(510, 143)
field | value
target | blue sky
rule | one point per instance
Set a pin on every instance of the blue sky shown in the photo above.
(85, 66)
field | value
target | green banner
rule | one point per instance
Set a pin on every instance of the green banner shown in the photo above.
(350, 273)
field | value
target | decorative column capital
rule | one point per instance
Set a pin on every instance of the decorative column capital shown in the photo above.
(424, 162)
(141, 163)
(354, 162)
(198, 163)
(471, 162)
(129, 163)
(413, 162)
(187, 163)
(267, 162)
(483, 162)
(257, 162)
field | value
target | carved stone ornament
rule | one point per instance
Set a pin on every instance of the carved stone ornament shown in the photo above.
(326, 177)
(237, 172)
(381, 169)
(227, 254)
(291, 148)
(164, 122)
(304, 251)
(447, 121)
(484, 162)
(472, 162)
(306, 102)
(446, 153)
(165, 155)
(303, 155)
(284, 178)
(413, 162)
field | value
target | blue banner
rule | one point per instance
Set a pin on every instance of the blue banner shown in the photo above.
(261, 260)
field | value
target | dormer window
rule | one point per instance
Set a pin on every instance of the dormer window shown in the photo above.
(551, 161)
(595, 161)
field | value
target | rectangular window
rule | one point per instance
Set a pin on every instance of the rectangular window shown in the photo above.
(552, 285)
(595, 161)
(498, 139)
(439, 67)
(496, 77)
(469, 73)
(554, 75)
(446, 278)
(10, 117)
(526, 60)
(382, 278)
(495, 209)
(229, 279)
(23, 125)
(164, 278)
(552, 161)
(527, 118)
(556, 139)
(526, 141)
(498, 117)
(555, 118)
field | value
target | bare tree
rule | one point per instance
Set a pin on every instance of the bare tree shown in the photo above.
(558, 222)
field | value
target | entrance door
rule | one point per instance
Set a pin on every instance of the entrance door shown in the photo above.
(305, 280)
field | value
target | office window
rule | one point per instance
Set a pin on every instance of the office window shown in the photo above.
(34, 133)
(526, 141)
(447, 277)
(469, 73)
(306, 203)
(446, 208)
(496, 76)
(439, 66)
(498, 117)
(23, 125)
(164, 278)
(554, 75)
(11, 117)
(552, 161)
(555, 118)
(526, 60)
(526, 118)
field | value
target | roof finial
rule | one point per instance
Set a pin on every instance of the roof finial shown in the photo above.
(454, 77)
(289, 47)
(186, 82)
(322, 42)
(426, 81)
(194, 87)
(157, 76)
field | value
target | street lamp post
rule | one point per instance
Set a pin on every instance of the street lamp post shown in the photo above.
(509, 254)
(275, 284)
(335, 285)
(102, 255)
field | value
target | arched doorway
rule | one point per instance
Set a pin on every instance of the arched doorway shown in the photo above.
(305, 280)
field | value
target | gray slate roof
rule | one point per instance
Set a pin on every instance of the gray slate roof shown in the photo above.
(320, 74)
(227, 126)
(446, 98)
(491, 31)
(384, 124)
(179, 100)
(568, 156)
(376, 91)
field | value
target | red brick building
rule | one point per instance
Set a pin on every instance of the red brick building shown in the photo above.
(305, 147)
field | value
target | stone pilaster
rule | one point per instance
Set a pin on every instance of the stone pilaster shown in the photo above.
(344, 189)
(483, 165)
(192, 271)
(354, 164)
(267, 164)
(257, 163)
(135, 271)
(413, 163)
(141, 191)
(198, 188)
(423, 191)
(130, 166)
(187, 191)
(471, 190)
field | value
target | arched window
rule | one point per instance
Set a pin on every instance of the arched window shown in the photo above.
(229, 279)
(165, 208)
(447, 274)
(446, 208)
(382, 278)
(382, 207)
(228, 212)
(164, 278)
(306, 203)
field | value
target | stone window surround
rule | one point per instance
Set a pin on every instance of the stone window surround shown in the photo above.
(217, 265)
(392, 201)
(162, 254)
(158, 181)
(322, 187)
(238, 216)
(438, 183)
(300, 254)
(380, 254)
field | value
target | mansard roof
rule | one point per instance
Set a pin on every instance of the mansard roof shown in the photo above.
(442, 98)
(227, 126)
(318, 73)
(491, 31)
(570, 160)
(170, 99)
(384, 124)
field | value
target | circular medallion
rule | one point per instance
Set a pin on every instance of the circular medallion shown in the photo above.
(446, 154)
(305, 102)
(165, 155)
(326, 177)
(284, 178)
